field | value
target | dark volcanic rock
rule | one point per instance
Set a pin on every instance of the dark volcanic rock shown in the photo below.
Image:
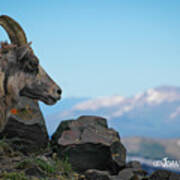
(164, 175)
(125, 174)
(35, 171)
(88, 143)
(93, 174)
(134, 164)
(25, 127)
(130, 174)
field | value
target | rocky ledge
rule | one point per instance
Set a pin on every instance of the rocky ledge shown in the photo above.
(81, 149)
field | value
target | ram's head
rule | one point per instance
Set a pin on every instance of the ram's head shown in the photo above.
(21, 74)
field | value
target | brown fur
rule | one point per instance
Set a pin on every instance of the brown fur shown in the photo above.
(21, 75)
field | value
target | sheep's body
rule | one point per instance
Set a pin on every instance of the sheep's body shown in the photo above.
(5, 102)
(20, 72)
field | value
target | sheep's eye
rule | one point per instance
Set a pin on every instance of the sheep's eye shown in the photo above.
(30, 64)
(31, 67)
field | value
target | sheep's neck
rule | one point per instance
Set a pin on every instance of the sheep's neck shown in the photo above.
(3, 111)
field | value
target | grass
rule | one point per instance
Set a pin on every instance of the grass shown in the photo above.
(14, 176)
(50, 168)
(17, 164)
(6, 149)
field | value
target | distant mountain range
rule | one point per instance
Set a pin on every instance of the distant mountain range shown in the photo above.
(154, 149)
(154, 113)
(154, 153)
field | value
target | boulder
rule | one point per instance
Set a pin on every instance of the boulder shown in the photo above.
(125, 174)
(164, 175)
(131, 174)
(88, 143)
(94, 174)
(134, 164)
(25, 129)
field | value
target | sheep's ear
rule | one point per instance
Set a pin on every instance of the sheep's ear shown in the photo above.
(22, 51)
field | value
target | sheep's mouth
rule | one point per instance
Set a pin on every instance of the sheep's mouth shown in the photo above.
(49, 100)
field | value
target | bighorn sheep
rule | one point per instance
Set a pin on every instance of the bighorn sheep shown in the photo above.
(20, 72)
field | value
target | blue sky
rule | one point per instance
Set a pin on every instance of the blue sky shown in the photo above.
(103, 47)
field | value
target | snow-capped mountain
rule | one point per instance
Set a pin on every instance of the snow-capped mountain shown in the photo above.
(154, 113)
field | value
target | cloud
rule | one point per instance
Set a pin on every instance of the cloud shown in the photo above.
(175, 114)
(122, 111)
(116, 106)
(156, 97)
(98, 103)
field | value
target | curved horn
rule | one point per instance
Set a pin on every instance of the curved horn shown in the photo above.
(14, 30)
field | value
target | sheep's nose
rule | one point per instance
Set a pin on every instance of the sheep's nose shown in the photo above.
(59, 91)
